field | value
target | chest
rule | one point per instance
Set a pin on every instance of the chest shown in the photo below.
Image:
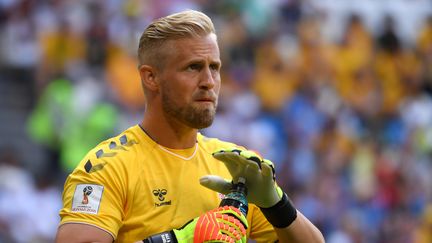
(167, 193)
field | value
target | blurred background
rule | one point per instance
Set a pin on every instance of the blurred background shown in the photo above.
(337, 93)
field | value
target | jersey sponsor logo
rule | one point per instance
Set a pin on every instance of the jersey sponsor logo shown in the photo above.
(160, 194)
(87, 198)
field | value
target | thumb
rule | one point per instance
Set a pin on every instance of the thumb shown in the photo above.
(216, 183)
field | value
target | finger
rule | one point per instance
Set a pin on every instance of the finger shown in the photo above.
(234, 163)
(229, 210)
(269, 163)
(229, 231)
(225, 150)
(216, 183)
(222, 238)
(206, 228)
(236, 218)
(230, 157)
(252, 167)
(221, 152)
(232, 221)
(252, 156)
(236, 155)
(267, 171)
(233, 157)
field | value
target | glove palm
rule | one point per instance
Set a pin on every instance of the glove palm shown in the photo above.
(224, 224)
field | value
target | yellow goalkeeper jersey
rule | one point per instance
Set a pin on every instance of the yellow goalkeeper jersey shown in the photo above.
(132, 188)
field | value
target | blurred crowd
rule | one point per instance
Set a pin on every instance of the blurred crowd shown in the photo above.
(342, 106)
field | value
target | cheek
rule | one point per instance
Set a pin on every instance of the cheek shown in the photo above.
(182, 92)
(175, 85)
(217, 85)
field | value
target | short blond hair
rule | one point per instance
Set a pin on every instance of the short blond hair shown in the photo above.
(189, 23)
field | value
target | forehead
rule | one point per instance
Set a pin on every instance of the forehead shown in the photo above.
(194, 47)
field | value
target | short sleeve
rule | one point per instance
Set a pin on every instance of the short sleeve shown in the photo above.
(95, 192)
(260, 229)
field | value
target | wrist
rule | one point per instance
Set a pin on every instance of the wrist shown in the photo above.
(168, 236)
(274, 196)
(282, 214)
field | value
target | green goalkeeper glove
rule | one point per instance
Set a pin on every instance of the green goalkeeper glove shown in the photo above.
(263, 190)
(223, 224)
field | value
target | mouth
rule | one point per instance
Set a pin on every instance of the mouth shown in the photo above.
(206, 100)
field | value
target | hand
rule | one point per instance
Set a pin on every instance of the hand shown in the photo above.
(223, 224)
(259, 174)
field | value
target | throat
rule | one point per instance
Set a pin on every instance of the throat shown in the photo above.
(171, 139)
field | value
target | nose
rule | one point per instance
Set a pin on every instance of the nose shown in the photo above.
(208, 78)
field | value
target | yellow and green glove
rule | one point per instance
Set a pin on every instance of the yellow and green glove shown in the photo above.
(223, 224)
(260, 176)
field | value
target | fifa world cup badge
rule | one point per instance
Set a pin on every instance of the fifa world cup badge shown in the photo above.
(86, 192)
(87, 198)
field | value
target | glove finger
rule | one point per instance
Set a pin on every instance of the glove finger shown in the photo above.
(232, 157)
(233, 222)
(216, 183)
(269, 163)
(232, 149)
(227, 157)
(237, 155)
(252, 168)
(251, 156)
(230, 162)
(206, 228)
(234, 162)
(235, 217)
(230, 231)
(248, 154)
(221, 237)
(267, 170)
(221, 152)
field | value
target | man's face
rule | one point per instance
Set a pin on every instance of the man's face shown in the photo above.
(190, 80)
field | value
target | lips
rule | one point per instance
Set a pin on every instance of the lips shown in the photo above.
(205, 98)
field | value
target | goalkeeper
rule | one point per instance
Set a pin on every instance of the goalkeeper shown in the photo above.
(151, 183)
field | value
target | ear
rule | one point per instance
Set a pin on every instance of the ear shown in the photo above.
(148, 77)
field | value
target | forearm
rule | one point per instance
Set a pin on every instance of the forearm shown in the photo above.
(290, 225)
(301, 230)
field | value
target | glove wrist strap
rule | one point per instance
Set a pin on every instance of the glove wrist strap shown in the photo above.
(282, 214)
(168, 236)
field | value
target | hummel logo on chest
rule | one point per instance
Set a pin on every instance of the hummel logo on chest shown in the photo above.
(160, 195)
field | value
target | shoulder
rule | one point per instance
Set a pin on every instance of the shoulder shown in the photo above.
(117, 152)
(212, 144)
(113, 164)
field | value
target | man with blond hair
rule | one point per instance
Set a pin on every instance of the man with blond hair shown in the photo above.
(161, 180)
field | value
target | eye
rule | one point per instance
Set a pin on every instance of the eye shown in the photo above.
(215, 67)
(194, 67)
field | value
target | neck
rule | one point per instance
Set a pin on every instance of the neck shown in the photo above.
(169, 134)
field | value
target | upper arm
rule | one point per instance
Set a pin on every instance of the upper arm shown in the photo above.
(95, 192)
(82, 233)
